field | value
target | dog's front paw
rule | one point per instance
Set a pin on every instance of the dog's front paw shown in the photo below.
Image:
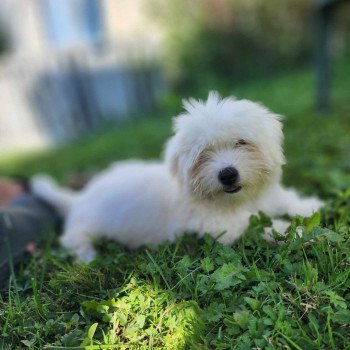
(308, 206)
(279, 226)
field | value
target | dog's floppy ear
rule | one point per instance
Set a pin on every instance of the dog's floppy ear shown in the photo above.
(172, 156)
(275, 142)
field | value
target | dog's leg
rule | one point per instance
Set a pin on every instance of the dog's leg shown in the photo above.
(279, 226)
(279, 201)
(240, 224)
(80, 243)
(234, 228)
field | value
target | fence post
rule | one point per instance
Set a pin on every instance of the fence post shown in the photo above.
(322, 59)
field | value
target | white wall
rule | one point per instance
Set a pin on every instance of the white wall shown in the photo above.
(38, 100)
(24, 23)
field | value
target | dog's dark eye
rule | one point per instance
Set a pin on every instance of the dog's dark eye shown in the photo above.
(241, 142)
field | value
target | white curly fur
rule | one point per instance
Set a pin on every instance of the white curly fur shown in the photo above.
(140, 203)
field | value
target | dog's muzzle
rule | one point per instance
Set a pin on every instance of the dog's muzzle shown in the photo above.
(229, 178)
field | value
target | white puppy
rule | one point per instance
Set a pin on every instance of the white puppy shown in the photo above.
(222, 165)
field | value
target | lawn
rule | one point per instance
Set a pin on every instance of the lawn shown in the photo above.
(198, 294)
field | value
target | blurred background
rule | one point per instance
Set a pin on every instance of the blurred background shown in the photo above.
(86, 82)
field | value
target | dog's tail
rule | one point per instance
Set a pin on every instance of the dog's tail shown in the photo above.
(44, 187)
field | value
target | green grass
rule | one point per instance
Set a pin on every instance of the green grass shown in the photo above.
(199, 294)
(141, 138)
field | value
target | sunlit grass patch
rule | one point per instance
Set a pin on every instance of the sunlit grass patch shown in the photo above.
(195, 293)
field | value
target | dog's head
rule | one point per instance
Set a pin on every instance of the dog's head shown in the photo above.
(225, 149)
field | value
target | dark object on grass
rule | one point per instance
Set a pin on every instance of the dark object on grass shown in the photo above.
(21, 224)
(323, 12)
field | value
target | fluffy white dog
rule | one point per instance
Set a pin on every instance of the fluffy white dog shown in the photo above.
(222, 165)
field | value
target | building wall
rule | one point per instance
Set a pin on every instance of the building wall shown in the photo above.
(123, 21)
(127, 19)
(51, 93)
(23, 21)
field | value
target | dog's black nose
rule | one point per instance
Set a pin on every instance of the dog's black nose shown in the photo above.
(228, 176)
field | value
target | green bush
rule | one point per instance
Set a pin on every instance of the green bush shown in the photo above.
(209, 42)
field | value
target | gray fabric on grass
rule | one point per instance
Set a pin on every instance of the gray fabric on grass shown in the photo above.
(22, 222)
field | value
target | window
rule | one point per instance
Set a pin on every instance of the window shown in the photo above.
(72, 22)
